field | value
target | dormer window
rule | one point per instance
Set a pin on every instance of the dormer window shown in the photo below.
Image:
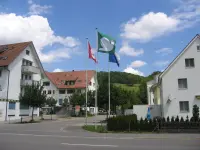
(27, 52)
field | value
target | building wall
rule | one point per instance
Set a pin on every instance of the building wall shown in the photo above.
(150, 93)
(170, 83)
(15, 81)
(141, 111)
(58, 96)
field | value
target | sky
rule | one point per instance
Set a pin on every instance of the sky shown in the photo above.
(149, 34)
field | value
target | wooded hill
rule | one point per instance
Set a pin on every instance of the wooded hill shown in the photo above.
(126, 89)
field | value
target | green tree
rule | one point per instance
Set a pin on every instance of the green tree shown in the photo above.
(195, 113)
(65, 102)
(51, 102)
(33, 96)
(143, 92)
(91, 98)
(77, 99)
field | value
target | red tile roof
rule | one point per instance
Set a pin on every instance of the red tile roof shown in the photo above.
(11, 52)
(59, 78)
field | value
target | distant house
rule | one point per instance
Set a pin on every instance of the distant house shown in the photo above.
(19, 65)
(61, 85)
(177, 88)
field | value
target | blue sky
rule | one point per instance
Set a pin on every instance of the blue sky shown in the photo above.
(149, 34)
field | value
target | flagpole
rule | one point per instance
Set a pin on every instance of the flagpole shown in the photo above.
(96, 84)
(86, 88)
(108, 87)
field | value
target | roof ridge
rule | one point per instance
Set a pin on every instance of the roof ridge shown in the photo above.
(17, 43)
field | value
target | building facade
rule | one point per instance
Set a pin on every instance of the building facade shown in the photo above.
(178, 86)
(61, 85)
(19, 65)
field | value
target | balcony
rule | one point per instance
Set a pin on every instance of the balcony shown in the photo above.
(30, 69)
(28, 82)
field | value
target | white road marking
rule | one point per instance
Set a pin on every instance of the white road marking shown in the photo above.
(90, 145)
(62, 136)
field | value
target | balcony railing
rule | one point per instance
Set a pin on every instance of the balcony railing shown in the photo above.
(28, 82)
(30, 69)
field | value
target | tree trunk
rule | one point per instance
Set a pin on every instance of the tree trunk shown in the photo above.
(32, 113)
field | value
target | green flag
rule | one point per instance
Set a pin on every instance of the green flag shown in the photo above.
(106, 44)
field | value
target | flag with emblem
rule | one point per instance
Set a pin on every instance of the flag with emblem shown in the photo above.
(106, 44)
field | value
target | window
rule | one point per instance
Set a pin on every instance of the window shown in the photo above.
(70, 91)
(49, 91)
(61, 91)
(184, 106)
(182, 83)
(53, 91)
(27, 52)
(66, 82)
(45, 92)
(189, 62)
(46, 83)
(198, 47)
(29, 77)
(60, 101)
(24, 106)
(12, 105)
(78, 90)
(26, 77)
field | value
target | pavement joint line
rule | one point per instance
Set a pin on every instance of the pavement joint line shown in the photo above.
(90, 145)
(93, 137)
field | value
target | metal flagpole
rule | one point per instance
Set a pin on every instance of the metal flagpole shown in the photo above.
(86, 89)
(108, 87)
(96, 85)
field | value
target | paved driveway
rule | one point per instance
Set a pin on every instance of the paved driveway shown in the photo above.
(67, 134)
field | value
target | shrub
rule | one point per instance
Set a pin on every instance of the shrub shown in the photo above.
(177, 119)
(195, 113)
(121, 123)
(182, 120)
(168, 120)
(172, 119)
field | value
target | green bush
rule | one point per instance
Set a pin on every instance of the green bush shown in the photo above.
(121, 123)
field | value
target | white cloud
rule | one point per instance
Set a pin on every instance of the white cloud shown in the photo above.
(161, 63)
(149, 26)
(137, 64)
(15, 28)
(133, 71)
(126, 49)
(156, 24)
(164, 51)
(35, 9)
(58, 70)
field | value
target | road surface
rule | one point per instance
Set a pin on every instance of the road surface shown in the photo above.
(67, 134)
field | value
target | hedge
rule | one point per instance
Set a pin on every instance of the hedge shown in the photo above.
(130, 123)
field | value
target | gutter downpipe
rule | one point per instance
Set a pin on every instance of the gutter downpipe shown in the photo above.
(6, 116)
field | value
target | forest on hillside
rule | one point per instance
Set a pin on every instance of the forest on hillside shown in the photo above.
(126, 89)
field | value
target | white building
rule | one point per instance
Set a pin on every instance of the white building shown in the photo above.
(179, 83)
(177, 88)
(19, 65)
(61, 85)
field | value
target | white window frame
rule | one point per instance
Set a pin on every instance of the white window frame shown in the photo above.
(182, 88)
(189, 62)
(198, 48)
(184, 103)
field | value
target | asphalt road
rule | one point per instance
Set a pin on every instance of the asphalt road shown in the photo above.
(67, 134)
